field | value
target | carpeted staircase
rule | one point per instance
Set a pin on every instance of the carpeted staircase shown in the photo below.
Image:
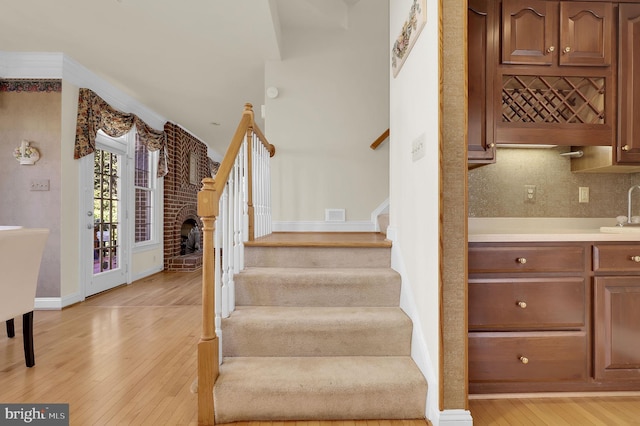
(317, 334)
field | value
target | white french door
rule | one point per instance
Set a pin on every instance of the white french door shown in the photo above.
(106, 262)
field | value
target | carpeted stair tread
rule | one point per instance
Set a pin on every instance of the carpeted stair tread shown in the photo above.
(318, 257)
(317, 287)
(317, 334)
(319, 388)
(316, 331)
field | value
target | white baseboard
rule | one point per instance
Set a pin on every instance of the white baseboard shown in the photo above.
(72, 299)
(146, 273)
(48, 304)
(319, 226)
(453, 418)
(57, 303)
(419, 350)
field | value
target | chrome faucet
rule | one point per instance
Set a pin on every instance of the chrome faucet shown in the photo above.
(629, 203)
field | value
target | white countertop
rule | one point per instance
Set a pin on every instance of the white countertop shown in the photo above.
(523, 229)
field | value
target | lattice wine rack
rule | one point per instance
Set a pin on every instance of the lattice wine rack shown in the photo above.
(544, 99)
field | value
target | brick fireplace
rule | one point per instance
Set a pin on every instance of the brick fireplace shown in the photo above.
(188, 165)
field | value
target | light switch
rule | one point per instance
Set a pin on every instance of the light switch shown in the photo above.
(39, 185)
(583, 194)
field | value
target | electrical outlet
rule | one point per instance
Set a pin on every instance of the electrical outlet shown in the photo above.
(418, 147)
(530, 193)
(39, 185)
(583, 194)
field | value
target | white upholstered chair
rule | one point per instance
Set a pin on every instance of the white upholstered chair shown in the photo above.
(20, 256)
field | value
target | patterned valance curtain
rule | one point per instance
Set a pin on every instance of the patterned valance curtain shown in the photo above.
(95, 114)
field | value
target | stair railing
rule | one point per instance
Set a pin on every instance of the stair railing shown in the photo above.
(229, 218)
(380, 139)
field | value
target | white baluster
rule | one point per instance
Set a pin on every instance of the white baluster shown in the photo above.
(217, 279)
(224, 222)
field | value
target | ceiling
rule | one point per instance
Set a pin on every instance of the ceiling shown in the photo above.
(194, 62)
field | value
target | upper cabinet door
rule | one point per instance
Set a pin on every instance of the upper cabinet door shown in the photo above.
(586, 33)
(481, 45)
(528, 32)
(628, 146)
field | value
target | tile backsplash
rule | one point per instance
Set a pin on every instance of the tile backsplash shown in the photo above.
(498, 190)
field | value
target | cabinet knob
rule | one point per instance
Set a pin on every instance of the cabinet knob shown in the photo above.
(521, 260)
(524, 360)
(625, 148)
(635, 258)
(567, 49)
(521, 304)
(491, 144)
(551, 49)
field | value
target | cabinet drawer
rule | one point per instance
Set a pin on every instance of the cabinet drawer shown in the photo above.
(530, 356)
(529, 258)
(616, 258)
(526, 303)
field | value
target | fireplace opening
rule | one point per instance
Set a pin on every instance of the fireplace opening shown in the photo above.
(189, 237)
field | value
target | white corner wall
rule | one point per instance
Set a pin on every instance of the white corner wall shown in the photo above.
(414, 189)
(69, 180)
(333, 102)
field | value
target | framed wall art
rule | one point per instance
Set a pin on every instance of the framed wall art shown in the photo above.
(410, 31)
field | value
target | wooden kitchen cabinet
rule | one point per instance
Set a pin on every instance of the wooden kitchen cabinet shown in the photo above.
(555, 80)
(538, 32)
(553, 316)
(529, 32)
(617, 312)
(526, 357)
(627, 147)
(617, 328)
(481, 19)
(527, 313)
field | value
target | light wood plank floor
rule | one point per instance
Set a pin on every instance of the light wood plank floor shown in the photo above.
(557, 411)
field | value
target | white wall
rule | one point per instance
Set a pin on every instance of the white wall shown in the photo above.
(414, 193)
(69, 176)
(333, 103)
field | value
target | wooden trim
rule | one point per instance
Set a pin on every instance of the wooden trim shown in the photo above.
(380, 139)
(263, 139)
(453, 117)
(208, 210)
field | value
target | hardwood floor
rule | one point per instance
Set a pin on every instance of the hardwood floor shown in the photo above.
(128, 356)
(558, 411)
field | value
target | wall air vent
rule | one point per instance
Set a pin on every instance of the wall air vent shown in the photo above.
(334, 215)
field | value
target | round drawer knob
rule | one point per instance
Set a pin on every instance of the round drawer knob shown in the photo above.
(521, 260)
(567, 49)
(550, 49)
(522, 304)
(524, 360)
(625, 148)
(635, 258)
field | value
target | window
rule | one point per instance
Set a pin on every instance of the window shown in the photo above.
(146, 194)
